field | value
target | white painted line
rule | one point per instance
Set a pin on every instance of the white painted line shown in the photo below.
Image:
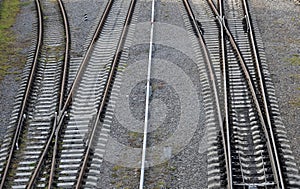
(147, 100)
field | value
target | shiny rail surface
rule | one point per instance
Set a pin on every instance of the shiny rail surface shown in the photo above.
(233, 53)
(270, 144)
(62, 104)
(243, 113)
(262, 89)
(61, 100)
(26, 95)
(85, 60)
(211, 74)
(105, 96)
(84, 102)
(42, 68)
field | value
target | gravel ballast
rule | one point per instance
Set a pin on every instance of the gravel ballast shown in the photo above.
(23, 30)
(279, 23)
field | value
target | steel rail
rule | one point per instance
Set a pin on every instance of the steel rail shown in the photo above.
(62, 93)
(54, 132)
(85, 59)
(212, 76)
(262, 87)
(63, 111)
(61, 98)
(55, 146)
(27, 93)
(251, 87)
(66, 55)
(225, 87)
(58, 122)
(105, 96)
(39, 165)
(53, 163)
(142, 179)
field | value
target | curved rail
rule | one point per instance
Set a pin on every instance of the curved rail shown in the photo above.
(41, 161)
(57, 123)
(62, 89)
(225, 86)
(85, 60)
(252, 90)
(212, 76)
(66, 56)
(26, 95)
(61, 98)
(63, 111)
(262, 88)
(63, 105)
(106, 92)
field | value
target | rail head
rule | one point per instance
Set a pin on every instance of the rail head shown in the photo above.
(270, 142)
(85, 59)
(26, 94)
(61, 97)
(262, 90)
(212, 76)
(66, 54)
(105, 93)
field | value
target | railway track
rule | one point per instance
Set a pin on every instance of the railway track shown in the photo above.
(68, 141)
(17, 119)
(250, 147)
(42, 97)
(60, 125)
(212, 75)
(84, 134)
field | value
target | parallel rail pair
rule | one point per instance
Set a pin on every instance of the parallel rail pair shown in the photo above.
(22, 113)
(223, 117)
(261, 108)
(66, 99)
